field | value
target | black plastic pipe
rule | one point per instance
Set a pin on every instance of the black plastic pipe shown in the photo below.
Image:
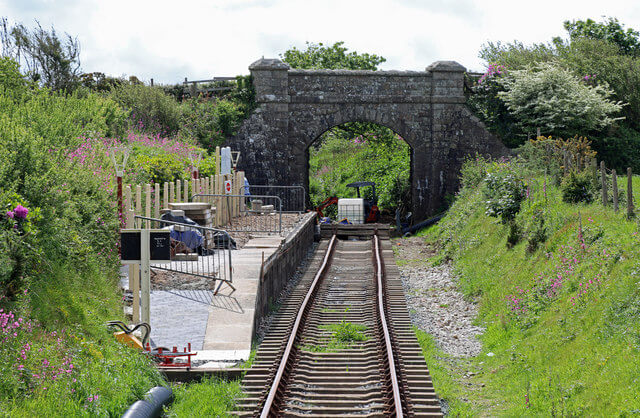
(423, 224)
(152, 405)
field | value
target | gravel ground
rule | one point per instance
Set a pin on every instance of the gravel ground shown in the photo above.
(436, 306)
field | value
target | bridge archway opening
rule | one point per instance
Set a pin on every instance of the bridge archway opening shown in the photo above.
(360, 151)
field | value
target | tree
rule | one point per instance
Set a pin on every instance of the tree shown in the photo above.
(335, 57)
(318, 56)
(47, 59)
(610, 30)
(551, 98)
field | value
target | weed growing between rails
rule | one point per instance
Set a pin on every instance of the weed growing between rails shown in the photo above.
(562, 320)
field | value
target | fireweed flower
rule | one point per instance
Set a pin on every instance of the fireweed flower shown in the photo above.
(21, 212)
(10, 214)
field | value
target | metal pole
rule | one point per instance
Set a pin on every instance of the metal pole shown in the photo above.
(145, 273)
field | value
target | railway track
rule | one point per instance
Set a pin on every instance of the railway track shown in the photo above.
(342, 344)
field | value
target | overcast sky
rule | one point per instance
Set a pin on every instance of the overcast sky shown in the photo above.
(170, 40)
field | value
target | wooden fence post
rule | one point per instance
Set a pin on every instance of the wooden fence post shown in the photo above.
(603, 176)
(629, 193)
(614, 187)
(165, 196)
(127, 199)
(186, 190)
(178, 190)
(147, 205)
(156, 207)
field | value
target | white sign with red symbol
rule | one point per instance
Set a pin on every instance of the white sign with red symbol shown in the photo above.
(227, 186)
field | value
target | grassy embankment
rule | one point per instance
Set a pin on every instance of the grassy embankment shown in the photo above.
(562, 321)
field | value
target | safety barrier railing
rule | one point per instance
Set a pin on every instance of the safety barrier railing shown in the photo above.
(195, 250)
(255, 213)
(294, 198)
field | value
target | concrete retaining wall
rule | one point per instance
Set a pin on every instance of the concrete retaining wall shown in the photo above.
(281, 265)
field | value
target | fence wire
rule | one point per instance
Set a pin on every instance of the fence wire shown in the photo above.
(195, 250)
(294, 198)
(256, 213)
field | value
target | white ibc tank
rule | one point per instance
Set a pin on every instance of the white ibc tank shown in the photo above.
(352, 209)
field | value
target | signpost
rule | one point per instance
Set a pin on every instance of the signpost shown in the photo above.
(145, 247)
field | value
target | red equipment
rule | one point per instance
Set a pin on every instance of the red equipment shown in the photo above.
(325, 204)
(371, 211)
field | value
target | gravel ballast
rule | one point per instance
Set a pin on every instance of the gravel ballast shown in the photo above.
(435, 304)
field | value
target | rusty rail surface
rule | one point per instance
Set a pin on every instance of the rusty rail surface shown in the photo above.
(297, 372)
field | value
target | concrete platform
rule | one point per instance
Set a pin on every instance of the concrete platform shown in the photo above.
(219, 327)
(230, 324)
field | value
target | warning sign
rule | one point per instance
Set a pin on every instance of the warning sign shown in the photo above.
(227, 186)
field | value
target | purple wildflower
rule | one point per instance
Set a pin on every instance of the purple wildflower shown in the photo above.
(21, 212)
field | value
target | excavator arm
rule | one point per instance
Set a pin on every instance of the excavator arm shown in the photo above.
(325, 204)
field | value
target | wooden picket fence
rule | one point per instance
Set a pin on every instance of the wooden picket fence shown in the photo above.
(150, 199)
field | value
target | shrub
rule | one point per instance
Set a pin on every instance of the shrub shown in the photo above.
(578, 187)
(159, 168)
(552, 98)
(504, 192)
(537, 233)
(151, 109)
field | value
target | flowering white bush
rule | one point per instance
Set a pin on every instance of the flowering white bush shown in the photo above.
(553, 99)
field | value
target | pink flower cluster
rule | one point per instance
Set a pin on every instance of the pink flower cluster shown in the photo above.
(18, 213)
(493, 71)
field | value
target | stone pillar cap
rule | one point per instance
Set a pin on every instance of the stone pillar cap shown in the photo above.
(269, 64)
(446, 66)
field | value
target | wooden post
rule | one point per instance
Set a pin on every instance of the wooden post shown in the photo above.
(629, 193)
(134, 277)
(127, 199)
(594, 170)
(156, 207)
(603, 177)
(194, 187)
(614, 187)
(138, 200)
(218, 161)
(186, 191)
(537, 132)
(147, 205)
(178, 190)
(145, 275)
(165, 196)
(172, 192)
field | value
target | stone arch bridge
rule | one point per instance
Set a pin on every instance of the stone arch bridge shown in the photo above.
(426, 108)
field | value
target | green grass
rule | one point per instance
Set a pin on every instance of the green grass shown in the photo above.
(343, 335)
(557, 351)
(209, 398)
(446, 386)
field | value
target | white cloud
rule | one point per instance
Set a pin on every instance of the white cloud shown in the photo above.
(168, 40)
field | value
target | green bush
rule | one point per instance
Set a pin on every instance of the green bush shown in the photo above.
(578, 187)
(552, 98)
(151, 109)
(537, 232)
(504, 192)
(159, 168)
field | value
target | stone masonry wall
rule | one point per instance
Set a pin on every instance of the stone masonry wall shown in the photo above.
(281, 266)
(425, 108)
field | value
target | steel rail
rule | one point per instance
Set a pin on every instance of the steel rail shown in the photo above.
(397, 398)
(294, 332)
